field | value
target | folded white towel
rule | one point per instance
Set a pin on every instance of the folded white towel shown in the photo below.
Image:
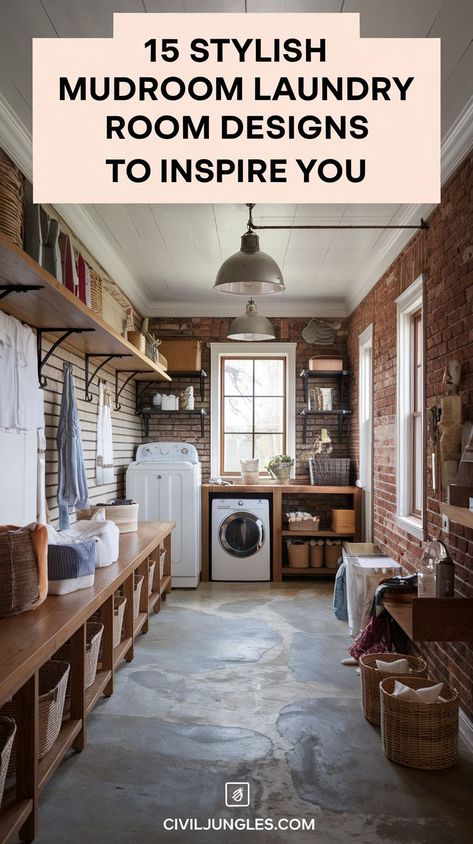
(428, 694)
(399, 666)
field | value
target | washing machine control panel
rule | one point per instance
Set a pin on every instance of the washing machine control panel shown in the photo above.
(164, 451)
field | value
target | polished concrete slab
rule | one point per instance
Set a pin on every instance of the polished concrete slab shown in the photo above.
(243, 683)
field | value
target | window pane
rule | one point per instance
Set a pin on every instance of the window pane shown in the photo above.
(269, 377)
(238, 377)
(267, 446)
(269, 414)
(417, 468)
(236, 447)
(239, 414)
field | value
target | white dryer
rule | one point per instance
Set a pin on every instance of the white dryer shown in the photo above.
(165, 480)
(241, 539)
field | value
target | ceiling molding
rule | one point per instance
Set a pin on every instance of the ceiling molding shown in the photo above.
(458, 141)
(15, 139)
(231, 306)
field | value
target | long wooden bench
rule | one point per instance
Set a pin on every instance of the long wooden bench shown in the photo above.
(28, 640)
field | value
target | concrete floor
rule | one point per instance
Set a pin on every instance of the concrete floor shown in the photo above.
(243, 682)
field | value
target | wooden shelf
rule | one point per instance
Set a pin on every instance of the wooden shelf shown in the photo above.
(327, 532)
(319, 571)
(432, 619)
(165, 583)
(120, 651)
(95, 691)
(138, 623)
(324, 373)
(50, 762)
(458, 515)
(55, 306)
(12, 817)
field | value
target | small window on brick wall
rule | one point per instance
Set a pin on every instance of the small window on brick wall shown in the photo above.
(410, 411)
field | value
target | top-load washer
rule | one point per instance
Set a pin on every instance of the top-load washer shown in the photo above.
(165, 480)
(241, 539)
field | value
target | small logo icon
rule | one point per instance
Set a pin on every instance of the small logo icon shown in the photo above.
(237, 794)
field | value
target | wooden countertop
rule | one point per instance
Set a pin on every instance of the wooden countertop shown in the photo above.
(29, 639)
(269, 486)
(432, 619)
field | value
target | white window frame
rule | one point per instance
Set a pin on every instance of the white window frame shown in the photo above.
(238, 350)
(407, 304)
(365, 415)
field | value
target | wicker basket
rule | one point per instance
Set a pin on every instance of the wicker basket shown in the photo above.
(305, 525)
(96, 292)
(371, 678)
(419, 735)
(93, 639)
(298, 554)
(329, 471)
(138, 340)
(18, 572)
(152, 566)
(138, 583)
(53, 677)
(119, 604)
(7, 735)
(11, 200)
(333, 554)
(162, 559)
(125, 516)
(316, 553)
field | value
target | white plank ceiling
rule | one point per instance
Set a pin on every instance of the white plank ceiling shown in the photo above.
(169, 254)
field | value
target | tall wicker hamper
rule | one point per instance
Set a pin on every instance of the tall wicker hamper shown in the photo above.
(371, 678)
(152, 566)
(138, 583)
(93, 639)
(7, 735)
(419, 735)
(53, 677)
(298, 553)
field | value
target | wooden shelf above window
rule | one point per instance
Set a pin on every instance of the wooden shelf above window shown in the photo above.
(54, 306)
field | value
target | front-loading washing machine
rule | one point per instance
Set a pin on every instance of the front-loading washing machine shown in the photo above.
(241, 539)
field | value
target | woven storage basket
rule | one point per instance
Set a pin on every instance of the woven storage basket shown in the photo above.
(162, 559)
(419, 735)
(125, 516)
(96, 292)
(371, 677)
(137, 594)
(298, 554)
(53, 677)
(152, 566)
(18, 572)
(329, 471)
(93, 639)
(333, 553)
(7, 735)
(306, 524)
(137, 339)
(316, 554)
(11, 200)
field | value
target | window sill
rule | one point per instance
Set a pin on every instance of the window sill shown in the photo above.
(411, 525)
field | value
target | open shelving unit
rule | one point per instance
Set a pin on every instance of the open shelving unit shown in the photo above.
(32, 295)
(342, 413)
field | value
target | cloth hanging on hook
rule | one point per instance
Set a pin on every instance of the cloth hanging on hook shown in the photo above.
(72, 490)
(104, 458)
(21, 400)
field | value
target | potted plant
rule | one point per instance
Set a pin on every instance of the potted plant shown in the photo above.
(279, 467)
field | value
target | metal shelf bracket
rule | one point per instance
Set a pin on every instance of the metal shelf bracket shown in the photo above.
(140, 388)
(6, 289)
(65, 333)
(131, 375)
(89, 378)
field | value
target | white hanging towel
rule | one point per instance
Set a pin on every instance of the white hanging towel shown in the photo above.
(104, 459)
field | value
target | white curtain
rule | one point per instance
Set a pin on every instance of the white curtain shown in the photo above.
(104, 459)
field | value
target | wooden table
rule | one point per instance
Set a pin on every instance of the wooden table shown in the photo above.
(28, 640)
(275, 493)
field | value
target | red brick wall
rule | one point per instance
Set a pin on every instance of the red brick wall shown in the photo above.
(215, 330)
(445, 254)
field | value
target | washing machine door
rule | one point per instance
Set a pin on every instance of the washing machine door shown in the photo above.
(242, 534)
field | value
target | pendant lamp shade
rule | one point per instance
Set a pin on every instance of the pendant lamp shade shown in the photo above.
(249, 271)
(251, 326)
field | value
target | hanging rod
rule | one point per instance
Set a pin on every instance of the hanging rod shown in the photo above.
(89, 379)
(6, 289)
(253, 226)
(66, 332)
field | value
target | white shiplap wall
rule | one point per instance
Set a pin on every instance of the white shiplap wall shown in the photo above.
(126, 427)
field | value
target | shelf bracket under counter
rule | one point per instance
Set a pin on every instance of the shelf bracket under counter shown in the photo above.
(432, 619)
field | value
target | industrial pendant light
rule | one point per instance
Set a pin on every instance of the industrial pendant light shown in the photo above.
(249, 271)
(251, 326)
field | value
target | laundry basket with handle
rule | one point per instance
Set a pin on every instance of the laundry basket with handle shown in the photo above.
(371, 677)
